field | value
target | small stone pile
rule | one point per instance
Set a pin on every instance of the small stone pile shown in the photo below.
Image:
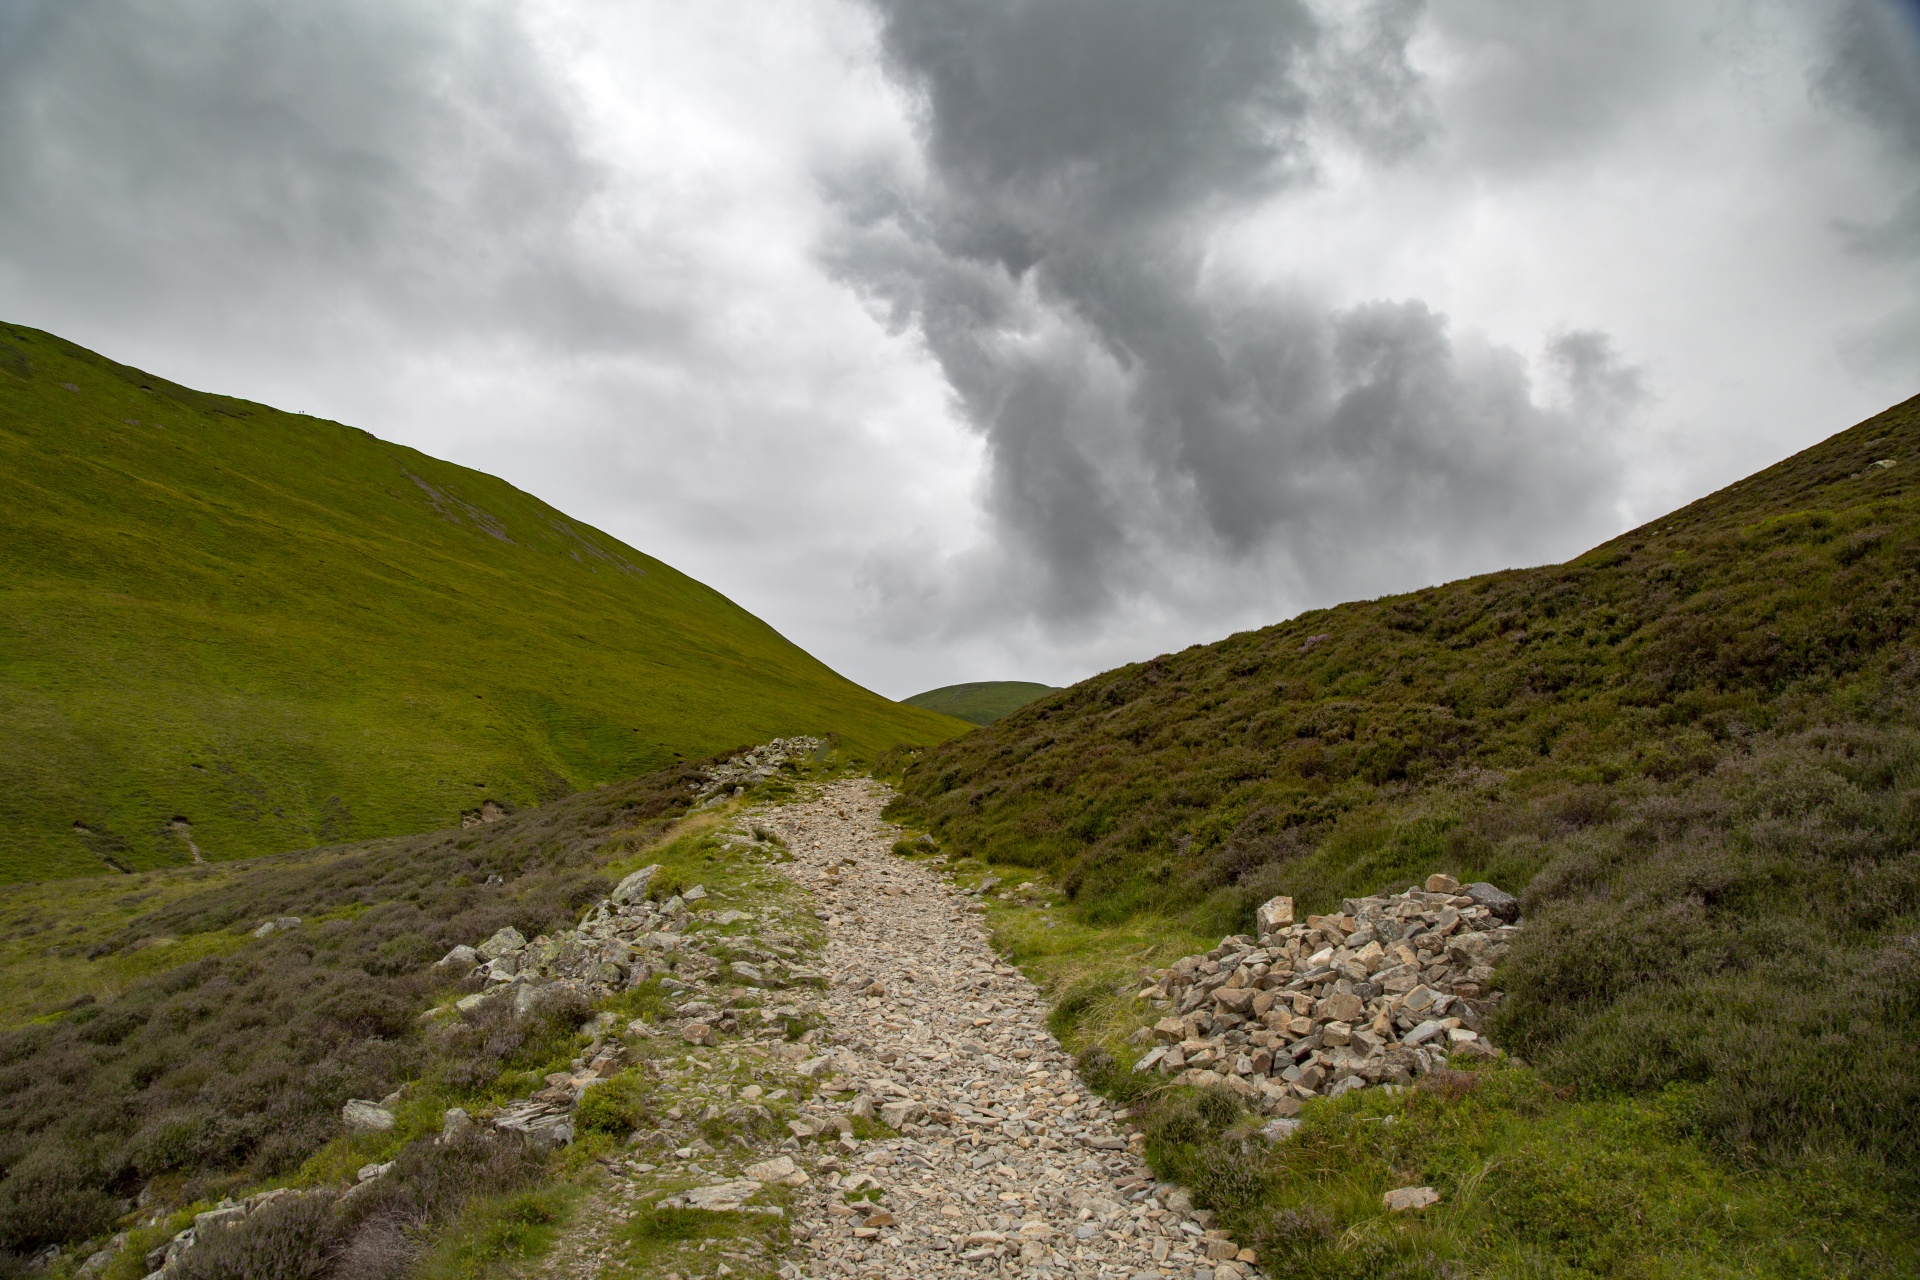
(1376, 994)
(749, 767)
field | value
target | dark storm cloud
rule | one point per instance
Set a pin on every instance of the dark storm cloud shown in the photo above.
(1873, 73)
(1141, 412)
(202, 160)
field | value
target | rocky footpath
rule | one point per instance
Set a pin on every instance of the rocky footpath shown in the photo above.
(1379, 993)
(1004, 1163)
(929, 1125)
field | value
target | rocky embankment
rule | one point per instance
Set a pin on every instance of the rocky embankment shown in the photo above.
(1379, 993)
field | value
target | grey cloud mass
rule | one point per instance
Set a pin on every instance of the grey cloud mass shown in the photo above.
(1141, 408)
(973, 339)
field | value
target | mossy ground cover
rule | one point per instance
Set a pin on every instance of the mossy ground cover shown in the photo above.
(1693, 752)
(242, 631)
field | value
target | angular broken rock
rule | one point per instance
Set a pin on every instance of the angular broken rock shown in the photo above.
(1404, 1198)
(1275, 913)
(634, 887)
(896, 1114)
(362, 1116)
(722, 1197)
(1501, 903)
(462, 956)
(697, 1033)
(503, 942)
(780, 1169)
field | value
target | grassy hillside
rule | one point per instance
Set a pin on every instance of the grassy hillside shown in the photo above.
(1694, 748)
(237, 630)
(982, 702)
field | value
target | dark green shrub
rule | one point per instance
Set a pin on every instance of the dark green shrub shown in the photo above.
(617, 1107)
(51, 1195)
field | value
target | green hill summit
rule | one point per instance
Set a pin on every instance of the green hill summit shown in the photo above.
(227, 630)
(982, 702)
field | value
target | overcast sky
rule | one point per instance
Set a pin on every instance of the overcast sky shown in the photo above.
(980, 339)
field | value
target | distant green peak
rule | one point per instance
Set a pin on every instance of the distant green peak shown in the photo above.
(982, 702)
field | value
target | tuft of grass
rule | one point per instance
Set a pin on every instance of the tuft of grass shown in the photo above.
(238, 631)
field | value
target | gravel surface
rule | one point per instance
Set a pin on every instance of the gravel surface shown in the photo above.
(1006, 1164)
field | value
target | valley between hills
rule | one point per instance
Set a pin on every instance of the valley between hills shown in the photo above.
(399, 890)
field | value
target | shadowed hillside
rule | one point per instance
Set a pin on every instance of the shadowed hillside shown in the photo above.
(227, 630)
(1693, 748)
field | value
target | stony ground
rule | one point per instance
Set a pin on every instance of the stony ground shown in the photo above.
(937, 1128)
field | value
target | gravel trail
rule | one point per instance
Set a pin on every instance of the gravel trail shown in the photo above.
(1006, 1164)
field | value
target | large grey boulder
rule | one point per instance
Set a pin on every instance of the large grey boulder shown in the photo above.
(634, 887)
(1501, 903)
(362, 1116)
(507, 941)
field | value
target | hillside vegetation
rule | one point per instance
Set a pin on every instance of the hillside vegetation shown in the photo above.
(982, 702)
(228, 630)
(1693, 749)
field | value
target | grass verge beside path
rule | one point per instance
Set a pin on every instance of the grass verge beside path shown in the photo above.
(1535, 1181)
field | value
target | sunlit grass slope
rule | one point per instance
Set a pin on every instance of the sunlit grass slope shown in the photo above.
(259, 631)
(982, 702)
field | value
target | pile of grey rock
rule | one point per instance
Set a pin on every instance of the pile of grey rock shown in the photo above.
(1378, 993)
(749, 767)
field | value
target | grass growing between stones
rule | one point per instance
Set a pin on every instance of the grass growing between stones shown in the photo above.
(495, 1233)
(684, 1241)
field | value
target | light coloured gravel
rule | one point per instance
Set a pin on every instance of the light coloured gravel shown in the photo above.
(1006, 1164)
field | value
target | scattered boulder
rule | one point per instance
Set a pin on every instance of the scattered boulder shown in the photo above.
(633, 888)
(1401, 1199)
(506, 941)
(362, 1116)
(1501, 903)
(723, 1197)
(780, 1169)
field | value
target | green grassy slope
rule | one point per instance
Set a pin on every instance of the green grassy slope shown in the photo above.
(284, 632)
(1696, 748)
(982, 702)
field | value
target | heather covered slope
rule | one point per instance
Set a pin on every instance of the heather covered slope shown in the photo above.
(237, 630)
(1694, 748)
